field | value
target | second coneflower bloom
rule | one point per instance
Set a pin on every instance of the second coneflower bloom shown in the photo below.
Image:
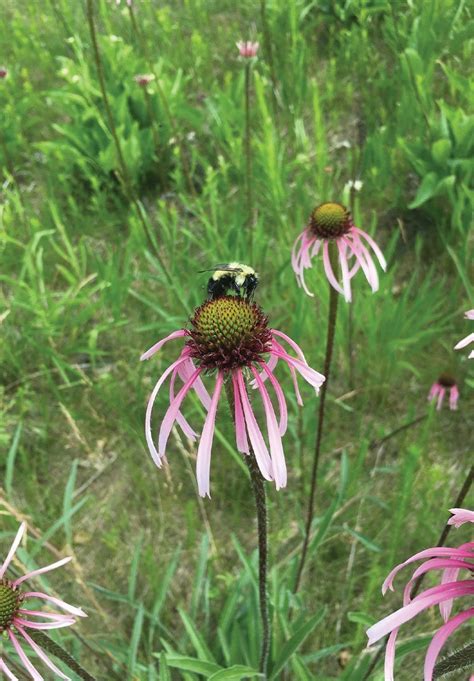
(230, 338)
(17, 617)
(332, 223)
(444, 384)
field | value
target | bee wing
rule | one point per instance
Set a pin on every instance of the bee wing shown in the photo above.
(222, 268)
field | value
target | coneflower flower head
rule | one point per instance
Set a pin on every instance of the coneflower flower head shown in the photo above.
(15, 619)
(230, 337)
(3, 72)
(468, 339)
(332, 222)
(452, 561)
(445, 383)
(144, 79)
(247, 48)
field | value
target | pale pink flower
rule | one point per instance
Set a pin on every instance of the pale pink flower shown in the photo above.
(247, 49)
(144, 79)
(332, 222)
(444, 384)
(468, 339)
(229, 336)
(451, 562)
(15, 619)
(460, 516)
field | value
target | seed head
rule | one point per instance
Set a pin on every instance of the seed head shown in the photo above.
(330, 221)
(228, 332)
(10, 600)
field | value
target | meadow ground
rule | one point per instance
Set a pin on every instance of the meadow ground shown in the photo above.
(110, 209)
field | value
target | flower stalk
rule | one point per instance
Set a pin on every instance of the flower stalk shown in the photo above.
(331, 329)
(248, 152)
(47, 643)
(261, 506)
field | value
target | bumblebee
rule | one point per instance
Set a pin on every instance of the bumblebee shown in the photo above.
(233, 276)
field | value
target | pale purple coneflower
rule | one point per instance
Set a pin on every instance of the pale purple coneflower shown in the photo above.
(332, 222)
(230, 337)
(451, 561)
(3, 72)
(16, 619)
(444, 384)
(144, 79)
(247, 48)
(469, 338)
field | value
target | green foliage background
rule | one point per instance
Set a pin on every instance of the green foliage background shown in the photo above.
(89, 278)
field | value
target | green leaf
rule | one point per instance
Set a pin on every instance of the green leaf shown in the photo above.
(441, 150)
(191, 664)
(197, 640)
(292, 645)
(360, 618)
(135, 640)
(165, 674)
(11, 460)
(235, 673)
(425, 191)
(364, 540)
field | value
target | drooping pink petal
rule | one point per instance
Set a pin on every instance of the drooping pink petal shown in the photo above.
(365, 260)
(157, 346)
(42, 655)
(434, 390)
(420, 603)
(390, 656)
(203, 462)
(10, 675)
(47, 615)
(47, 625)
(440, 638)
(314, 378)
(449, 575)
(460, 516)
(465, 341)
(441, 394)
(149, 408)
(453, 398)
(240, 431)
(256, 438)
(434, 552)
(182, 422)
(346, 285)
(434, 564)
(185, 371)
(274, 437)
(280, 397)
(373, 244)
(291, 343)
(21, 654)
(469, 315)
(301, 259)
(328, 269)
(170, 416)
(13, 548)
(41, 571)
(77, 612)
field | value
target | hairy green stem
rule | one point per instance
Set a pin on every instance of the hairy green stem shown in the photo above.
(258, 487)
(441, 541)
(460, 659)
(332, 316)
(47, 643)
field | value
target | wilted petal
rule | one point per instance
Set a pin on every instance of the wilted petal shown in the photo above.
(13, 548)
(157, 346)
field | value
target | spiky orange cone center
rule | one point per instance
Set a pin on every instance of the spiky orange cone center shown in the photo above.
(330, 221)
(228, 332)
